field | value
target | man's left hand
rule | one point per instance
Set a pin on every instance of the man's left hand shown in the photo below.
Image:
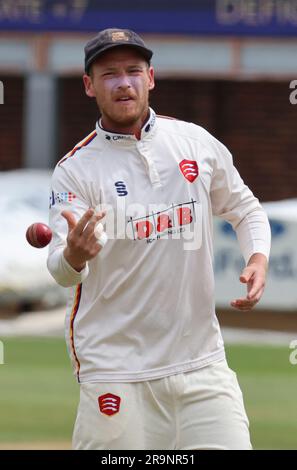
(254, 275)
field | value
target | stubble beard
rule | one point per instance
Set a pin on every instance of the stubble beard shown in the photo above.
(126, 120)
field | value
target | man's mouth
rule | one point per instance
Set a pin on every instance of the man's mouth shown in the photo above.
(125, 98)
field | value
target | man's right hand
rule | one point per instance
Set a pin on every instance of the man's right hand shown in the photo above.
(82, 244)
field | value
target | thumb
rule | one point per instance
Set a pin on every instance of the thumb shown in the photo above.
(70, 219)
(246, 275)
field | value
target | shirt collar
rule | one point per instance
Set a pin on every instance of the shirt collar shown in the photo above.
(114, 137)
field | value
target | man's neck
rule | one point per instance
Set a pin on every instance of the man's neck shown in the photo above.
(134, 129)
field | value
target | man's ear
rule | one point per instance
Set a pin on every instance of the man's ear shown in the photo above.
(89, 89)
(151, 78)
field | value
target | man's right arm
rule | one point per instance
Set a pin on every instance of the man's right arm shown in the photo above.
(72, 223)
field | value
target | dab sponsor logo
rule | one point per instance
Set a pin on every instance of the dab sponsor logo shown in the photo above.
(109, 404)
(161, 224)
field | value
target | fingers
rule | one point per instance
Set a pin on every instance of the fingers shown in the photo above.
(243, 304)
(70, 219)
(254, 277)
(79, 226)
(248, 303)
(81, 243)
(83, 221)
(246, 275)
(99, 229)
(255, 289)
(86, 224)
(89, 231)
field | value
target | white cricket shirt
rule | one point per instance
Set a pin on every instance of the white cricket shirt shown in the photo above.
(144, 307)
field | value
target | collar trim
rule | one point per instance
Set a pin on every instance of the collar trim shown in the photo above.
(118, 138)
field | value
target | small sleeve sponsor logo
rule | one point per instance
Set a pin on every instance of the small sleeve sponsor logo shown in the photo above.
(61, 197)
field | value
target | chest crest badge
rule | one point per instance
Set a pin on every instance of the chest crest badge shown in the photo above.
(189, 169)
(109, 404)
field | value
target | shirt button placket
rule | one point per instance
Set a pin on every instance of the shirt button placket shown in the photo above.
(149, 164)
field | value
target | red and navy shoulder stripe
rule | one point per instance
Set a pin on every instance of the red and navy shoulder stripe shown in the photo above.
(74, 311)
(82, 143)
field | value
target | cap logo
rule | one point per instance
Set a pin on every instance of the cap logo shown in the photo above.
(119, 36)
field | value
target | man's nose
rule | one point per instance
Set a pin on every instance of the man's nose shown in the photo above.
(123, 81)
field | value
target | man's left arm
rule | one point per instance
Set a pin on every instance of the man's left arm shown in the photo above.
(233, 201)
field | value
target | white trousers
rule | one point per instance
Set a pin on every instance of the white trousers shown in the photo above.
(202, 409)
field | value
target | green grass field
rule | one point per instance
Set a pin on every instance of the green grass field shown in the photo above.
(39, 395)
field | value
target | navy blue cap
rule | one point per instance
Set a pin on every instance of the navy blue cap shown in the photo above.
(111, 38)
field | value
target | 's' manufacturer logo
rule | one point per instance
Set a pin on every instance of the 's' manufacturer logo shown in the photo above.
(109, 404)
(121, 188)
(189, 169)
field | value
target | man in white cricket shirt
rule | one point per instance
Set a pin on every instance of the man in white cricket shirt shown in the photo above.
(141, 327)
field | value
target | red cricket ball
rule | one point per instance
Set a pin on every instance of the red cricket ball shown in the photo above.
(39, 235)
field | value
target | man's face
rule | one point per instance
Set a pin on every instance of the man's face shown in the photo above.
(120, 81)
